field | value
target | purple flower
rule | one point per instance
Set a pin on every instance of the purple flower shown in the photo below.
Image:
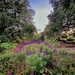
(9, 72)
(16, 51)
(39, 55)
(21, 49)
(48, 46)
(28, 53)
(54, 51)
(38, 42)
(32, 73)
(45, 53)
(31, 42)
(40, 50)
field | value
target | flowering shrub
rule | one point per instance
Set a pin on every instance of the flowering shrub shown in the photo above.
(37, 55)
(36, 58)
(36, 62)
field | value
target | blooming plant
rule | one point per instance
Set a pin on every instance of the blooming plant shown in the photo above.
(36, 58)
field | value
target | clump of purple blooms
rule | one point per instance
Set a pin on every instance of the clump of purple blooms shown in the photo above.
(54, 51)
(30, 51)
(32, 73)
(21, 48)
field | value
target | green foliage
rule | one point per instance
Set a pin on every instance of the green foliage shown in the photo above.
(20, 57)
(36, 37)
(2, 74)
(16, 20)
(29, 30)
(61, 16)
(55, 25)
(37, 59)
(36, 63)
(52, 40)
(5, 46)
(3, 39)
(5, 57)
(62, 53)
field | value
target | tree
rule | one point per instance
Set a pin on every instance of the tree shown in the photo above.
(14, 15)
(63, 14)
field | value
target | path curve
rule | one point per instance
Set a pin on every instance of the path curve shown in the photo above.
(67, 47)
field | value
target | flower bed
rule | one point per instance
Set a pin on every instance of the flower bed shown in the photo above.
(37, 58)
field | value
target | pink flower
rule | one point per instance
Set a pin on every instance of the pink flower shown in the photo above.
(9, 72)
(32, 73)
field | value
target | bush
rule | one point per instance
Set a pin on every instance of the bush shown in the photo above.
(36, 63)
(5, 46)
(3, 39)
(20, 56)
(36, 37)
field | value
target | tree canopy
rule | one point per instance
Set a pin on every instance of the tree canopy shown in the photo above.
(62, 15)
(16, 18)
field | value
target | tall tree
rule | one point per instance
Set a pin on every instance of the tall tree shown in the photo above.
(63, 14)
(15, 14)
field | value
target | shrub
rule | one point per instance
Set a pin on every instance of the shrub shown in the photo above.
(3, 39)
(5, 46)
(20, 56)
(36, 37)
(36, 62)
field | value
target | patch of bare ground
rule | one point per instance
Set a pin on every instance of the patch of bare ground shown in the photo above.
(66, 46)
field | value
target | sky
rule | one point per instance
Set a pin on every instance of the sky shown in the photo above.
(42, 8)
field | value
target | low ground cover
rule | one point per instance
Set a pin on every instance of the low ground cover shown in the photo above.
(37, 58)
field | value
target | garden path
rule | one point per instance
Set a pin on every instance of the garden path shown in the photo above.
(68, 47)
